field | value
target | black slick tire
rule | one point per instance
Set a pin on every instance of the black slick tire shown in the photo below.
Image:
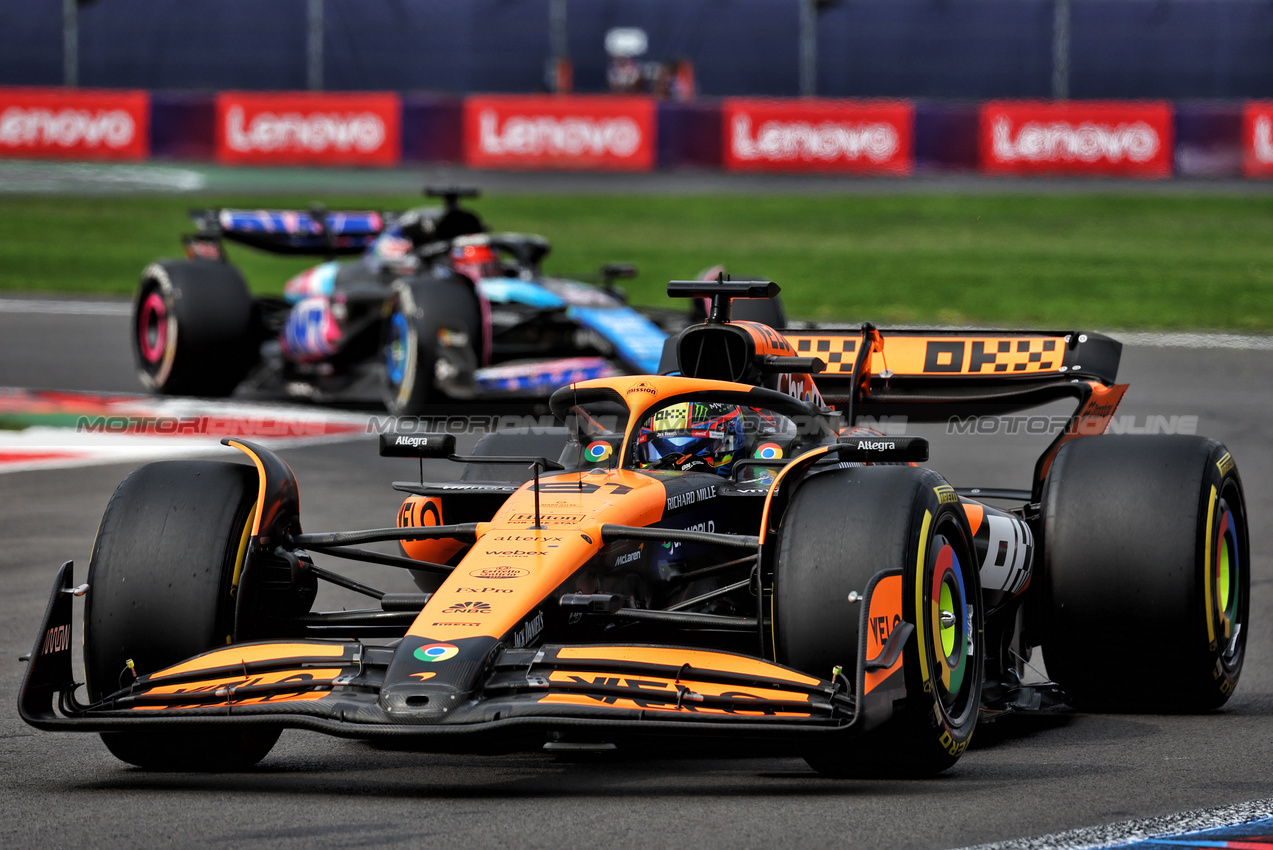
(431, 326)
(194, 328)
(1146, 573)
(161, 589)
(842, 528)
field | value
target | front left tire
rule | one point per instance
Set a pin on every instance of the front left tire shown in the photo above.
(163, 581)
(432, 340)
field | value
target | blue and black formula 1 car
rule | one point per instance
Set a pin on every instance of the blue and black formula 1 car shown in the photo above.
(433, 307)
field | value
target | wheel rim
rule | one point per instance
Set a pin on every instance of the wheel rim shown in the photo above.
(951, 643)
(152, 328)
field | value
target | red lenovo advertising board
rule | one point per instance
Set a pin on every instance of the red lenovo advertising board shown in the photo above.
(299, 128)
(610, 133)
(1128, 139)
(818, 135)
(74, 123)
(1257, 139)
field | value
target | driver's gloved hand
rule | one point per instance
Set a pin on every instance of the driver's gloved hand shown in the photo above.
(691, 463)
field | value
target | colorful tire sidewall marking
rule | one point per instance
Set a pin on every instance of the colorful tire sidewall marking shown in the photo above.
(947, 660)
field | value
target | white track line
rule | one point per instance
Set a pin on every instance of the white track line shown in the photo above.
(66, 308)
(1128, 832)
(1187, 339)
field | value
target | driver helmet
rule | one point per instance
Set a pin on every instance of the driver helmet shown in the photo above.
(474, 259)
(714, 433)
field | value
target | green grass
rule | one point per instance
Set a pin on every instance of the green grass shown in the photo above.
(1092, 261)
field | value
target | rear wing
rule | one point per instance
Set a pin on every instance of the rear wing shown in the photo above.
(933, 375)
(943, 375)
(313, 232)
(331, 233)
(922, 375)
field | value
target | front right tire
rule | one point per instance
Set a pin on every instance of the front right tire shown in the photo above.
(841, 529)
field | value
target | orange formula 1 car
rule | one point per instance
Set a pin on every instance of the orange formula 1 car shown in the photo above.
(717, 555)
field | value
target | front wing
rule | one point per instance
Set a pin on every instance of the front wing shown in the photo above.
(605, 692)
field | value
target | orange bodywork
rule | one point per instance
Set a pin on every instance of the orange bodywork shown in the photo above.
(642, 705)
(304, 679)
(694, 658)
(250, 653)
(513, 560)
(884, 616)
(420, 512)
(1089, 420)
(769, 342)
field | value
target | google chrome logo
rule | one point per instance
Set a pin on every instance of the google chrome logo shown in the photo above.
(598, 451)
(768, 451)
(436, 651)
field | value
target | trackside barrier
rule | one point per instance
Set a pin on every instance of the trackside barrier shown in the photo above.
(1202, 139)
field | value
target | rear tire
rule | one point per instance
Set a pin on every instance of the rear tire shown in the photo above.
(432, 342)
(194, 328)
(1146, 573)
(840, 530)
(162, 577)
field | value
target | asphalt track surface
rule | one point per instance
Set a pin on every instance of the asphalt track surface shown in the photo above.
(1023, 777)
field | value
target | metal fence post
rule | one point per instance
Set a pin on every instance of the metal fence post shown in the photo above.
(1061, 51)
(558, 74)
(315, 45)
(808, 47)
(70, 43)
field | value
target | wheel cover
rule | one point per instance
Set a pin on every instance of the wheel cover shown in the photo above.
(1226, 572)
(152, 328)
(951, 621)
(397, 348)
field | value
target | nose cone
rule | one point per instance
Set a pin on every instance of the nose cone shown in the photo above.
(425, 703)
(428, 680)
